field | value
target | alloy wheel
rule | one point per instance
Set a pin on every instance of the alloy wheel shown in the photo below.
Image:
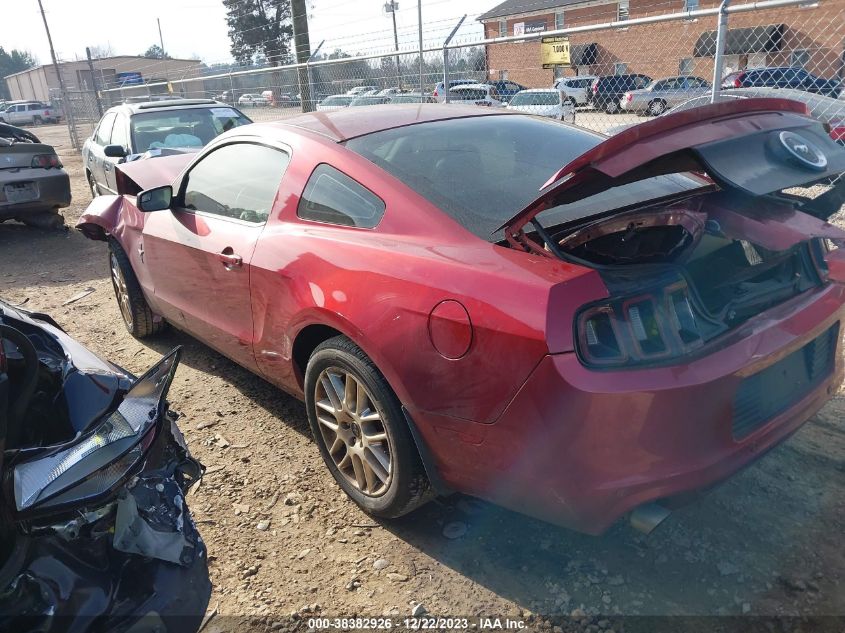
(353, 431)
(121, 292)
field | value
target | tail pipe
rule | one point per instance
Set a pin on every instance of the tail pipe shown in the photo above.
(647, 517)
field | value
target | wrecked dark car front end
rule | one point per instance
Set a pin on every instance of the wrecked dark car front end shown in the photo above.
(96, 533)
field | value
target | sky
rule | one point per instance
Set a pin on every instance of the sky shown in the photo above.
(197, 28)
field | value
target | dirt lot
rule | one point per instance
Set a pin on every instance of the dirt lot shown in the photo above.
(769, 541)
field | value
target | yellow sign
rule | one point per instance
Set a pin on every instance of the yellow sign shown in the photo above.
(554, 51)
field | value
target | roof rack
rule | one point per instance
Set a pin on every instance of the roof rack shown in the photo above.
(172, 102)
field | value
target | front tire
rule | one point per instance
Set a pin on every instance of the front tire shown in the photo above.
(92, 185)
(137, 315)
(361, 431)
(611, 107)
(656, 107)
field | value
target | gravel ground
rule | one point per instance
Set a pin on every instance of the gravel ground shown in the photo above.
(283, 539)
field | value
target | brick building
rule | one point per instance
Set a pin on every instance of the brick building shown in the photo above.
(811, 36)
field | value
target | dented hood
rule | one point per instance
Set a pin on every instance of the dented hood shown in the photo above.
(147, 173)
(757, 146)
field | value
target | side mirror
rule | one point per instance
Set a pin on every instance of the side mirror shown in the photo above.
(114, 151)
(156, 199)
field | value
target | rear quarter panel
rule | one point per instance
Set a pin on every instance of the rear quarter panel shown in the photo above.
(379, 286)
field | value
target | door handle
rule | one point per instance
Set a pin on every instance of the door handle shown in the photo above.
(230, 260)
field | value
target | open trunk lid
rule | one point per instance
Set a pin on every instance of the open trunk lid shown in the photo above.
(755, 146)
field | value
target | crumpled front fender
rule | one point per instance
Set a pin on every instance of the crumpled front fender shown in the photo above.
(101, 217)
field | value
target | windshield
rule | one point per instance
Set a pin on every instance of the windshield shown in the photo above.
(535, 98)
(483, 170)
(192, 127)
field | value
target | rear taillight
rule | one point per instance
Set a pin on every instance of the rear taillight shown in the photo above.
(836, 129)
(737, 83)
(46, 113)
(629, 97)
(639, 330)
(436, 93)
(595, 88)
(46, 161)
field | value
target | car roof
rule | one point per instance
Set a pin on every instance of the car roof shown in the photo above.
(342, 125)
(167, 104)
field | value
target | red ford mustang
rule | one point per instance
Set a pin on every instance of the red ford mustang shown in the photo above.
(457, 316)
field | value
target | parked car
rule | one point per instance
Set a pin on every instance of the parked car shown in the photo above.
(440, 91)
(413, 97)
(30, 113)
(334, 102)
(783, 77)
(662, 94)
(368, 100)
(606, 91)
(506, 89)
(575, 88)
(129, 131)
(33, 184)
(253, 100)
(594, 351)
(359, 90)
(94, 522)
(548, 102)
(389, 92)
(478, 94)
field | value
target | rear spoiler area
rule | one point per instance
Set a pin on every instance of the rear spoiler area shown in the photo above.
(752, 147)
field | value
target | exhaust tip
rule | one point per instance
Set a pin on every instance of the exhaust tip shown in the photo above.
(647, 517)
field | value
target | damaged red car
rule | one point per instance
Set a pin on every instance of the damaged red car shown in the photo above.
(461, 313)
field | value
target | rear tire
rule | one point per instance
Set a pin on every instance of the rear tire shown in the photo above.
(358, 425)
(37, 120)
(137, 315)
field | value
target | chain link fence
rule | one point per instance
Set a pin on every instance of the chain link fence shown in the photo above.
(627, 61)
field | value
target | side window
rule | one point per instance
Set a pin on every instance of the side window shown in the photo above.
(333, 197)
(118, 133)
(661, 85)
(103, 135)
(238, 181)
(33, 106)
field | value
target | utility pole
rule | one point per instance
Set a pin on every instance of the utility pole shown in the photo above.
(392, 7)
(164, 57)
(94, 81)
(419, 19)
(302, 47)
(65, 101)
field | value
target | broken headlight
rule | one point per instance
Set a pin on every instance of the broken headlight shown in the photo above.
(95, 463)
(640, 330)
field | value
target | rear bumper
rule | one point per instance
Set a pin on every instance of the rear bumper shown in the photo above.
(53, 191)
(633, 106)
(581, 448)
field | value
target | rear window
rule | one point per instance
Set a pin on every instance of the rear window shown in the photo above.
(189, 127)
(478, 170)
(536, 98)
